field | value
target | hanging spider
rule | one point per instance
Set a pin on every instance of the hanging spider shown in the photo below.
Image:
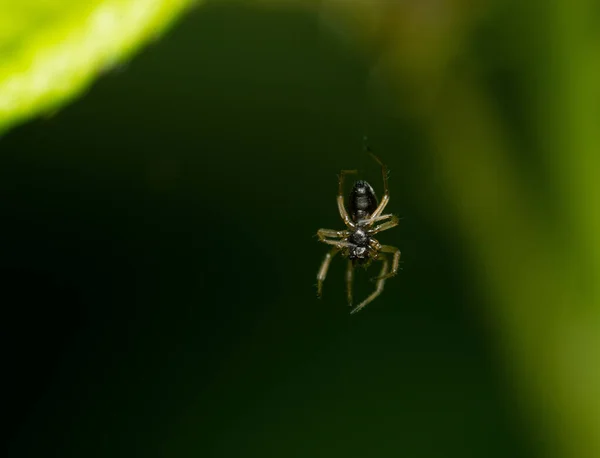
(357, 242)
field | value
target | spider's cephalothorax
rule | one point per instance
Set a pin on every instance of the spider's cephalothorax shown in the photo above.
(357, 242)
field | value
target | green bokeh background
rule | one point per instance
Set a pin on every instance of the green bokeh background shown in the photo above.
(159, 255)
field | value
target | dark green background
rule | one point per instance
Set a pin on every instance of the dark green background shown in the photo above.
(158, 264)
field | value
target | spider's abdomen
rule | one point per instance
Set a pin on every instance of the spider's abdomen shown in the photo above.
(363, 201)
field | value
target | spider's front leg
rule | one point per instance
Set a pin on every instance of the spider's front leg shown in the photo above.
(349, 279)
(378, 286)
(395, 262)
(386, 192)
(323, 234)
(324, 268)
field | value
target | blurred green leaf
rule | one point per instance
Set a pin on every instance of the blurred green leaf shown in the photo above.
(51, 50)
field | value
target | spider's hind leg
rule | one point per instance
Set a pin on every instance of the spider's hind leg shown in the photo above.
(393, 222)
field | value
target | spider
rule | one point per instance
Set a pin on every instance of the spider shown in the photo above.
(357, 242)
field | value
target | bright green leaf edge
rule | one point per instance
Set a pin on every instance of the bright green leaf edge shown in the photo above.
(51, 52)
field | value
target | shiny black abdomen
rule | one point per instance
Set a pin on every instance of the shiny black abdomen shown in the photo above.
(362, 202)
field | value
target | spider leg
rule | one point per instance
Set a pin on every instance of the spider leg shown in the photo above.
(386, 193)
(323, 270)
(375, 245)
(378, 286)
(385, 226)
(369, 221)
(349, 278)
(331, 233)
(339, 244)
(340, 198)
(395, 262)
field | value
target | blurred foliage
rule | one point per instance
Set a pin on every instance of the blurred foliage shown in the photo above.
(51, 50)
